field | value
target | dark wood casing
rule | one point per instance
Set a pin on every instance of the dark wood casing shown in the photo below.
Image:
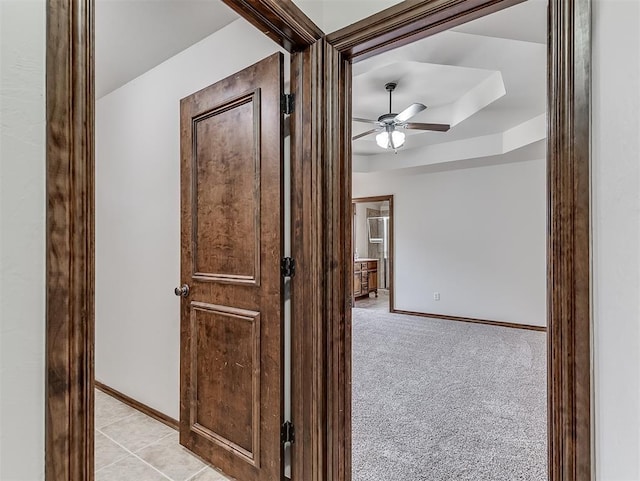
(70, 241)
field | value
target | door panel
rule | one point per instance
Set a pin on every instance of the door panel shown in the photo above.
(226, 343)
(227, 218)
(232, 243)
(373, 280)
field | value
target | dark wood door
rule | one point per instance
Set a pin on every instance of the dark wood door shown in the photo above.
(231, 327)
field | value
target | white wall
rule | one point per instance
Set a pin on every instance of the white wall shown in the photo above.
(477, 236)
(138, 214)
(22, 226)
(616, 237)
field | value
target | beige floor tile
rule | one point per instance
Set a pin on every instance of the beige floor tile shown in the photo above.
(172, 459)
(129, 469)
(137, 431)
(209, 475)
(106, 451)
(109, 410)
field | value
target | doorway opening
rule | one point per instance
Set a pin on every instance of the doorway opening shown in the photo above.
(373, 253)
(449, 379)
(192, 328)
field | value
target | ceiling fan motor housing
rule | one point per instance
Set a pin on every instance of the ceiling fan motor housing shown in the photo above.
(387, 118)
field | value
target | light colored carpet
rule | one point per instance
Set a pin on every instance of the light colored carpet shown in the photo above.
(442, 400)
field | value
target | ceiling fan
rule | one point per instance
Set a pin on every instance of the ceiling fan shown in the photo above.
(388, 124)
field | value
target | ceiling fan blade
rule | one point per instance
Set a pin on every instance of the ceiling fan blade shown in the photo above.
(433, 127)
(366, 121)
(363, 134)
(409, 112)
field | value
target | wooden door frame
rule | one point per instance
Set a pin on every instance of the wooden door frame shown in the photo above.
(392, 254)
(70, 216)
(321, 225)
(569, 357)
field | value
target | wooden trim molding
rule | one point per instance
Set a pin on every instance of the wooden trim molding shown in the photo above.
(375, 198)
(138, 406)
(280, 20)
(407, 22)
(70, 241)
(308, 383)
(320, 290)
(338, 260)
(568, 249)
(488, 322)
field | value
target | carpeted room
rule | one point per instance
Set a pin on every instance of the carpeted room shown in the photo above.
(441, 400)
(449, 366)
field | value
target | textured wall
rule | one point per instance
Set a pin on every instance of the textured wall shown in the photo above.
(22, 225)
(616, 237)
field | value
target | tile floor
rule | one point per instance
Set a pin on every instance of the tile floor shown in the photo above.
(130, 446)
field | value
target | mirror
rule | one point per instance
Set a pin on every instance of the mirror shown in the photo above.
(376, 229)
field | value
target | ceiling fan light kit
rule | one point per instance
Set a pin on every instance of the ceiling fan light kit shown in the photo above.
(391, 137)
(390, 140)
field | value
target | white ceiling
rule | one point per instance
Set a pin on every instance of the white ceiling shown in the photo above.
(133, 36)
(452, 68)
(332, 15)
(452, 94)
(526, 21)
(485, 78)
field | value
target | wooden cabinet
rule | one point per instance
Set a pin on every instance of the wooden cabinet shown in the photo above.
(373, 280)
(365, 277)
(357, 284)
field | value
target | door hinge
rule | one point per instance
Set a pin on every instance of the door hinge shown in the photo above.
(287, 432)
(288, 267)
(288, 102)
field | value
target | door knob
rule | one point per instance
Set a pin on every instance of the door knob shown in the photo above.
(182, 291)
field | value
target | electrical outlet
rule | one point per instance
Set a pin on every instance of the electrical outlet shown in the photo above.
(436, 296)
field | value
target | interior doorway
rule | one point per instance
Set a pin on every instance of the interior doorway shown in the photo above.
(373, 252)
(229, 332)
(199, 368)
(460, 368)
